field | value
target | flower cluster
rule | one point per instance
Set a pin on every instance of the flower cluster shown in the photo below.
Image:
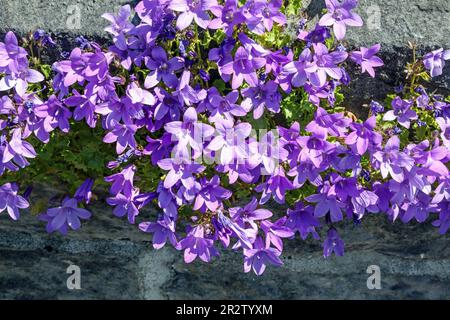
(185, 90)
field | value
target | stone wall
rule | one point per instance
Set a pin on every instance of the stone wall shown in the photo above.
(117, 261)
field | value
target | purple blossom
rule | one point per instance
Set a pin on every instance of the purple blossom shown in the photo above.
(125, 205)
(325, 123)
(55, 115)
(276, 186)
(260, 256)
(227, 17)
(18, 147)
(435, 61)
(249, 213)
(442, 192)
(367, 60)
(392, 161)
(333, 243)
(67, 215)
(138, 95)
(123, 134)
(301, 219)
(163, 230)
(122, 182)
(211, 195)
(364, 136)
(431, 159)
(418, 209)
(300, 70)
(327, 202)
(275, 231)
(84, 192)
(179, 171)
(270, 152)
(443, 222)
(314, 149)
(167, 201)
(401, 112)
(325, 64)
(222, 56)
(185, 93)
(262, 15)
(195, 245)
(189, 133)
(340, 15)
(85, 108)
(14, 63)
(161, 68)
(192, 10)
(225, 106)
(231, 142)
(318, 35)
(444, 125)
(167, 106)
(226, 227)
(11, 201)
(364, 201)
(376, 107)
(243, 68)
(19, 81)
(120, 23)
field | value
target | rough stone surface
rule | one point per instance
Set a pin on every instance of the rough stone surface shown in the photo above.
(117, 261)
(75, 16)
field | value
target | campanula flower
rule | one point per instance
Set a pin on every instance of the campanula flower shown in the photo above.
(211, 195)
(327, 202)
(163, 230)
(363, 136)
(84, 192)
(260, 256)
(227, 17)
(340, 16)
(195, 245)
(68, 215)
(11, 201)
(122, 182)
(401, 112)
(367, 60)
(161, 68)
(192, 10)
(435, 61)
(243, 68)
(333, 244)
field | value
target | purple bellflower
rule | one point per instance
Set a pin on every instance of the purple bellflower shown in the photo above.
(11, 201)
(66, 216)
(340, 16)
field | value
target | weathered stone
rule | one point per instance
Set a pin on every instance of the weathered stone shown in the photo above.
(78, 17)
(117, 261)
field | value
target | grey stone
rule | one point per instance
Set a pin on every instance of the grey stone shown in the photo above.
(75, 16)
(117, 262)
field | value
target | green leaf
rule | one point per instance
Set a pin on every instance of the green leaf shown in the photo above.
(46, 70)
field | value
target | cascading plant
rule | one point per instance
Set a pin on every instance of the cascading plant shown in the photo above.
(203, 104)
